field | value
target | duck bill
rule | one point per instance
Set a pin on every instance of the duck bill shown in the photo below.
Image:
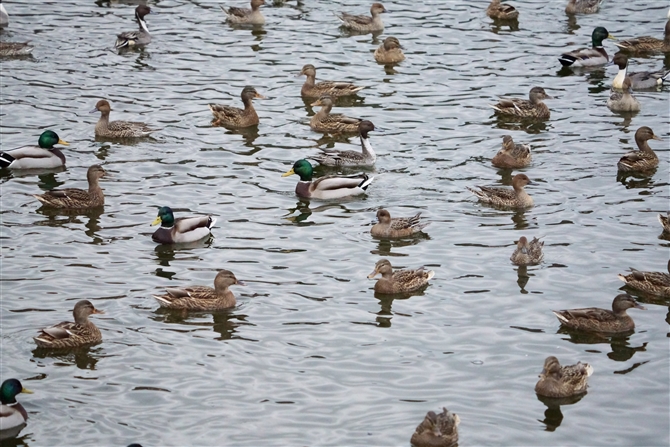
(259, 96)
(316, 103)
(373, 274)
(290, 172)
(609, 36)
(98, 311)
(63, 142)
(156, 221)
(640, 306)
(94, 110)
(26, 391)
(656, 137)
(240, 283)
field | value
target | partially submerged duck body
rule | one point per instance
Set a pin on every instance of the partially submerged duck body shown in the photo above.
(334, 89)
(181, 230)
(74, 198)
(512, 155)
(234, 117)
(653, 283)
(400, 281)
(67, 334)
(361, 23)
(594, 319)
(595, 56)
(527, 253)
(645, 158)
(139, 37)
(583, 6)
(505, 197)
(324, 121)
(42, 156)
(437, 430)
(351, 158)
(117, 129)
(202, 298)
(501, 11)
(533, 108)
(389, 52)
(395, 227)
(562, 381)
(329, 187)
(245, 16)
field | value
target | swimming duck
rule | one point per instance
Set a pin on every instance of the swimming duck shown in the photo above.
(334, 89)
(323, 121)
(644, 159)
(389, 227)
(11, 49)
(74, 198)
(42, 156)
(117, 129)
(594, 319)
(653, 283)
(665, 222)
(351, 158)
(71, 335)
(512, 155)
(389, 52)
(235, 117)
(583, 6)
(639, 80)
(363, 24)
(527, 253)
(400, 281)
(562, 381)
(533, 108)
(4, 17)
(437, 430)
(136, 38)
(505, 197)
(182, 230)
(589, 57)
(647, 44)
(202, 298)
(497, 10)
(623, 101)
(12, 413)
(329, 187)
(246, 16)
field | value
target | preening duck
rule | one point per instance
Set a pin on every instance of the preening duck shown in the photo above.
(562, 381)
(389, 52)
(502, 11)
(437, 430)
(512, 155)
(527, 253)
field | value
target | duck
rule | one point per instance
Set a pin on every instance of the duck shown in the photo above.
(497, 10)
(351, 158)
(4, 17)
(202, 298)
(594, 319)
(639, 80)
(74, 198)
(42, 156)
(181, 230)
(117, 129)
(389, 52)
(653, 283)
(437, 430)
(236, 117)
(12, 413)
(647, 44)
(512, 156)
(15, 49)
(245, 16)
(72, 335)
(334, 89)
(623, 101)
(361, 23)
(583, 6)
(400, 281)
(527, 253)
(665, 222)
(328, 187)
(136, 38)
(532, 108)
(505, 197)
(323, 121)
(562, 381)
(589, 57)
(395, 227)
(644, 159)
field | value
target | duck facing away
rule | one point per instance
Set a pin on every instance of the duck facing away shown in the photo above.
(329, 187)
(583, 6)
(42, 156)
(644, 159)
(647, 44)
(181, 230)
(235, 117)
(653, 283)
(139, 37)
(589, 57)
(15, 49)
(117, 129)
(351, 158)
(202, 298)
(71, 335)
(324, 121)
(394, 227)
(531, 108)
(334, 89)
(512, 155)
(12, 413)
(665, 222)
(389, 52)
(361, 23)
(527, 253)
(623, 101)
(594, 319)
(562, 381)
(505, 197)
(437, 430)
(503, 11)
(74, 198)
(400, 281)
(245, 16)
(640, 80)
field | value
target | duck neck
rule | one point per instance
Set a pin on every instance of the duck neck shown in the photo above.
(103, 122)
(248, 105)
(325, 110)
(58, 153)
(94, 189)
(311, 80)
(142, 24)
(643, 145)
(368, 151)
(618, 79)
(666, 39)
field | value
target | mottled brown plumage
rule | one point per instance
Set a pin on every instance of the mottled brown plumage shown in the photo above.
(647, 44)
(594, 319)
(202, 298)
(644, 159)
(512, 155)
(324, 121)
(389, 52)
(505, 197)
(527, 253)
(582, 6)
(74, 198)
(665, 222)
(497, 10)
(396, 227)
(245, 16)
(437, 430)
(15, 49)
(117, 129)
(562, 381)
(533, 108)
(400, 281)
(653, 283)
(234, 117)
(334, 89)
(361, 23)
(366, 157)
(71, 335)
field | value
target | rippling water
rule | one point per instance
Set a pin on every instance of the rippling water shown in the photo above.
(310, 356)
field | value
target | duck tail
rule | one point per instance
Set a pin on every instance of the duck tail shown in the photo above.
(366, 182)
(120, 43)
(5, 160)
(566, 60)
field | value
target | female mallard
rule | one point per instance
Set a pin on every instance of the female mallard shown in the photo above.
(363, 24)
(623, 101)
(117, 129)
(594, 319)
(583, 6)
(437, 430)
(389, 52)
(11, 49)
(665, 222)
(589, 57)
(235, 117)
(512, 155)
(202, 298)
(400, 281)
(71, 335)
(527, 253)
(389, 227)
(351, 158)
(562, 381)
(334, 89)
(329, 187)
(648, 44)
(42, 156)
(505, 197)
(245, 16)
(503, 11)
(74, 198)
(644, 159)
(136, 38)
(12, 413)
(533, 108)
(323, 121)
(182, 230)
(653, 283)
(639, 80)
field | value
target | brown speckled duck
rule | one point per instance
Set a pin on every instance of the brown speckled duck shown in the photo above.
(117, 129)
(623, 101)
(324, 121)
(644, 159)
(533, 108)
(72, 335)
(400, 281)
(503, 11)
(202, 298)
(437, 430)
(389, 52)
(334, 89)
(234, 117)
(647, 44)
(367, 157)
(512, 155)
(505, 197)
(583, 6)
(562, 381)
(361, 23)
(653, 283)
(594, 319)
(15, 49)
(245, 16)
(527, 253)
(395, 227)
(74, 198)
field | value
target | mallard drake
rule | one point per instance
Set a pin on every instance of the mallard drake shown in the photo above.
(10, 49)
(389, 227)
(71, 335)
(512, 155)
(533, 108)
(437, 430)
(12, 413)
(245, 16)
(562, 381)
(589, 57)
(623, 101)
(400, 281)
(351, 158)
(334, 89)
(639, 80)
(505, 197)
(497, 10)
(644, 159)
(323, 121)
(136, 38)
(74, 198)
(653, 283)
(665, 222)
(647, 44)
(389, 52)
(182, 230)
(583, 6)
(42, 156)
(594, 319)
(235, 117)
(4, 17)
(329, 187)
(117, 129)
(527, 253)
(202, 298)
(363, 24)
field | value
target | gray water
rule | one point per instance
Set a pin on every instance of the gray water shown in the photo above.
(310, 356)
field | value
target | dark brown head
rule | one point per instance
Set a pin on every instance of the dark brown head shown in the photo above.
(520, 180)
(376, 9)
(551, 367)
(537, 94)
(82, 310)
(95, 173)
(383, 267)
(508, 142)
(645, 133)
(364, 127)
(623, 302)
(308, 70)
(141, 11)
(391, 43)
(620, 60)
(102, 106)
(523, 242)
(383, 216)
(255, 4)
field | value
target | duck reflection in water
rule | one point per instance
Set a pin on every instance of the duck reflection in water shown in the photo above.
(553, 415)
(224, 322)
(85, 357)
(621, 349)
